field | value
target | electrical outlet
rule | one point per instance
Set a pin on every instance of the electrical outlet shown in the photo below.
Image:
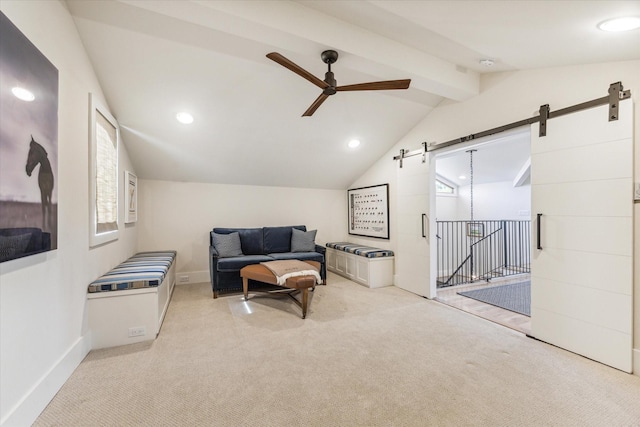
(184, 278)
(137, 331)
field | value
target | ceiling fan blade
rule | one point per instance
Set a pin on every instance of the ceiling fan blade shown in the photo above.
(319, 100)
(275, 56)
(385, 85)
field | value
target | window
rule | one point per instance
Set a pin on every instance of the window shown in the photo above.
(442, 188)
(104, 175)
(445, 187)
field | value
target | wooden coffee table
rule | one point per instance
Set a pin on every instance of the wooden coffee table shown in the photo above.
(260, 273)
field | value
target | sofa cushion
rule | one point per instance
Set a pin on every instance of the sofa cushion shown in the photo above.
(37, 241)
(361, 250)
(251, 239)
(303, 256)
(278, 239)
(143, 270)
(13, 246)
(227, 245)
(303, 241)
(236, 263)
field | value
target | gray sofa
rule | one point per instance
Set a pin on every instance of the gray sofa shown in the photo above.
(257, 245)
(21, 242)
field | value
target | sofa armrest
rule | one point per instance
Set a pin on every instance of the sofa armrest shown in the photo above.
(213, 253)
(213, 268)
(321, 249)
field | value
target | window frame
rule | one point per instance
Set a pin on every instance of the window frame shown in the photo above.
(96, 238)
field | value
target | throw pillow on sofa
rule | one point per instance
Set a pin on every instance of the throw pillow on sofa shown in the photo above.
(303, 241)
(227, 245)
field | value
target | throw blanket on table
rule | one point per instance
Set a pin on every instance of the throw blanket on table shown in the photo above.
(291, 268)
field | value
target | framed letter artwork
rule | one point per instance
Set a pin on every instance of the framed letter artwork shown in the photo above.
(369, 211)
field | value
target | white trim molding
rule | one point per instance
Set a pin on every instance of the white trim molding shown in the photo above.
(27, 410)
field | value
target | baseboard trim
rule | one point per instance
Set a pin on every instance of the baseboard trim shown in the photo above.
(186, 277)
(27, 410)
(636, 362)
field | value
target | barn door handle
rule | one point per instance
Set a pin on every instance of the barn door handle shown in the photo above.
(538, 231)
(424, 215)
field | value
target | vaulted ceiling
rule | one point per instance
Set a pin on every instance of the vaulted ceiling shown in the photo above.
(155, 59)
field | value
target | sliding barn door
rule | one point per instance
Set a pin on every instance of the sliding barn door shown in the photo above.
(413, 258)
(581, 278)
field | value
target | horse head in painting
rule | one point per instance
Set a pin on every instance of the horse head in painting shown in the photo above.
(38, 155)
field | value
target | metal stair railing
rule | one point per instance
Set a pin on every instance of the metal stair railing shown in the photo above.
(481, 250)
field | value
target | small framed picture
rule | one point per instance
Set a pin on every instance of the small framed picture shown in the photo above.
(475, 229)
(130, 197)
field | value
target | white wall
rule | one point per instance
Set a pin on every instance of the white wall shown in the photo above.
(447, 208)
(43, 328)
(178, 215)
(511, 96)
(492, 201)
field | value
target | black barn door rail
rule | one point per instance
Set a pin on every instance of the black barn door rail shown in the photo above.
(616, 94)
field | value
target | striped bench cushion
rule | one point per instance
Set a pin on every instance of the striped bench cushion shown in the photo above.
(143, 270)
(365, 251)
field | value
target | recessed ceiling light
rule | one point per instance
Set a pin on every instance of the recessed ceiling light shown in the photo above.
(22, 93)
(627, 23)
(462, 177)
(354, 143)
(185, 118)
(487, 62)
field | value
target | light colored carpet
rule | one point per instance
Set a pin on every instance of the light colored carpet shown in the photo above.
(362, 357)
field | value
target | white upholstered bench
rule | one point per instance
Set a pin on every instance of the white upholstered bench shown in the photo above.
(128, 303)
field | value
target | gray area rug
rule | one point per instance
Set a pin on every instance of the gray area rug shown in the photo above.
(514, 297)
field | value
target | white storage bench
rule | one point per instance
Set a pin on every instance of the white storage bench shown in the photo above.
(366, 265)
(128, 304)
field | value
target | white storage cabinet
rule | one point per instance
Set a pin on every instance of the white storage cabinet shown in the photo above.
(129, 316)
(370, 272)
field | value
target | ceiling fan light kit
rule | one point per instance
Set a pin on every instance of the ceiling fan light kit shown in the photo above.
(329, 85)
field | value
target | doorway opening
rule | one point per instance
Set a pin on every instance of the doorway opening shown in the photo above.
(483, 223)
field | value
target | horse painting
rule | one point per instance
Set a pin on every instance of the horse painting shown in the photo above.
(37, 154)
